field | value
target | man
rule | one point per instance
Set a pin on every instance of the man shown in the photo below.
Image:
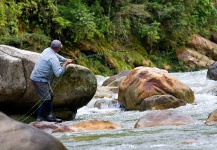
(47, 64)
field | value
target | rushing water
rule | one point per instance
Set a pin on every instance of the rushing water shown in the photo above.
(195, 136)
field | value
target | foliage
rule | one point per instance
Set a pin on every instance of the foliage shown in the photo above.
(161, 26)
(76, 21)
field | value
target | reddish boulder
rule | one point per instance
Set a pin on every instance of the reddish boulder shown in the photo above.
(164, 118)
(88, 126)
(143, 82)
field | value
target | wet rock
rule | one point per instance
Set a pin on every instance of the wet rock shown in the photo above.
(164, 118)
(100, 80)
(212, 71)
(107, 92)
(116, 82)
(44, 125)
(16, 135)
(107, 104)
(158, 102)
(212, 118)
(113, 78)
(88, 126)
(143, 82)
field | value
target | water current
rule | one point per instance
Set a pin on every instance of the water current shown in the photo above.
(197, 136)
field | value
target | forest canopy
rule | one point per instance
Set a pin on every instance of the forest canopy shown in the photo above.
(160, 25)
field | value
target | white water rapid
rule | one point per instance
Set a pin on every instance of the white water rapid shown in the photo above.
(196, 136)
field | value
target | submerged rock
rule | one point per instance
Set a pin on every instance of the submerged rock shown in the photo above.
(212, 118)
(16, 135)
(107, 104)
(88, 126)
(44, 125)
(164, 118)
(144, 82)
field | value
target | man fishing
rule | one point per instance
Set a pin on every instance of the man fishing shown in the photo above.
(48, 63)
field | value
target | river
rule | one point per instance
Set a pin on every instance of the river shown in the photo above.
(195, 136)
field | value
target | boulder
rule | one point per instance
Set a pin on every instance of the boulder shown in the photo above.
(158, 102)
(163, 118)
(143, 82)
(212, 71)
(114, 77)
(200, 52)
(88, 126)
(116, 82)
(74, 89)
(16, 135)
(193, 58)
(212, 118)
(204, 46)
(12, 78)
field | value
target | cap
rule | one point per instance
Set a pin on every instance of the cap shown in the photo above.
(56, 44)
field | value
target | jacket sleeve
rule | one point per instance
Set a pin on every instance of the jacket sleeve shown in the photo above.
(61, 58)
(57, 68)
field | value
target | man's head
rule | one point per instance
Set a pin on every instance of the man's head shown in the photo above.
(56, 45)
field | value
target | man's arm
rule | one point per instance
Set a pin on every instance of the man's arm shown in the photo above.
(57, 68)
(61, 58)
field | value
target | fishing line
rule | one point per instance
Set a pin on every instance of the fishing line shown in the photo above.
(58, 80)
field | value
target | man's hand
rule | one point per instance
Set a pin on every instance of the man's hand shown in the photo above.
(68, 61)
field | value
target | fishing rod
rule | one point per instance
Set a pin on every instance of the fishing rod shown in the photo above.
(23, 118)
(100, 54)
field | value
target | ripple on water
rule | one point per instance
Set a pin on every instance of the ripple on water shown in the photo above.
(191, 137)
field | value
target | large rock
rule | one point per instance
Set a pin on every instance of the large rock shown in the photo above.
(116, 82)
(16, 135)
(212, 71)
(143, 82)
(204, 46)
(200, 52)
(88, 126)
(158, 102)
(115, 77)
(73, 90)
(164, 118)
(212, 118)
(193, 58)
(12, 78)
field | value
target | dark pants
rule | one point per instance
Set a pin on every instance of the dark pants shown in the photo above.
(45, 93)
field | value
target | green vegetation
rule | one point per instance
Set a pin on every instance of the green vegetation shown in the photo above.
(150, 30)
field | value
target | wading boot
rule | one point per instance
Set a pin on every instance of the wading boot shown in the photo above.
(39, 119)
(51, 118)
